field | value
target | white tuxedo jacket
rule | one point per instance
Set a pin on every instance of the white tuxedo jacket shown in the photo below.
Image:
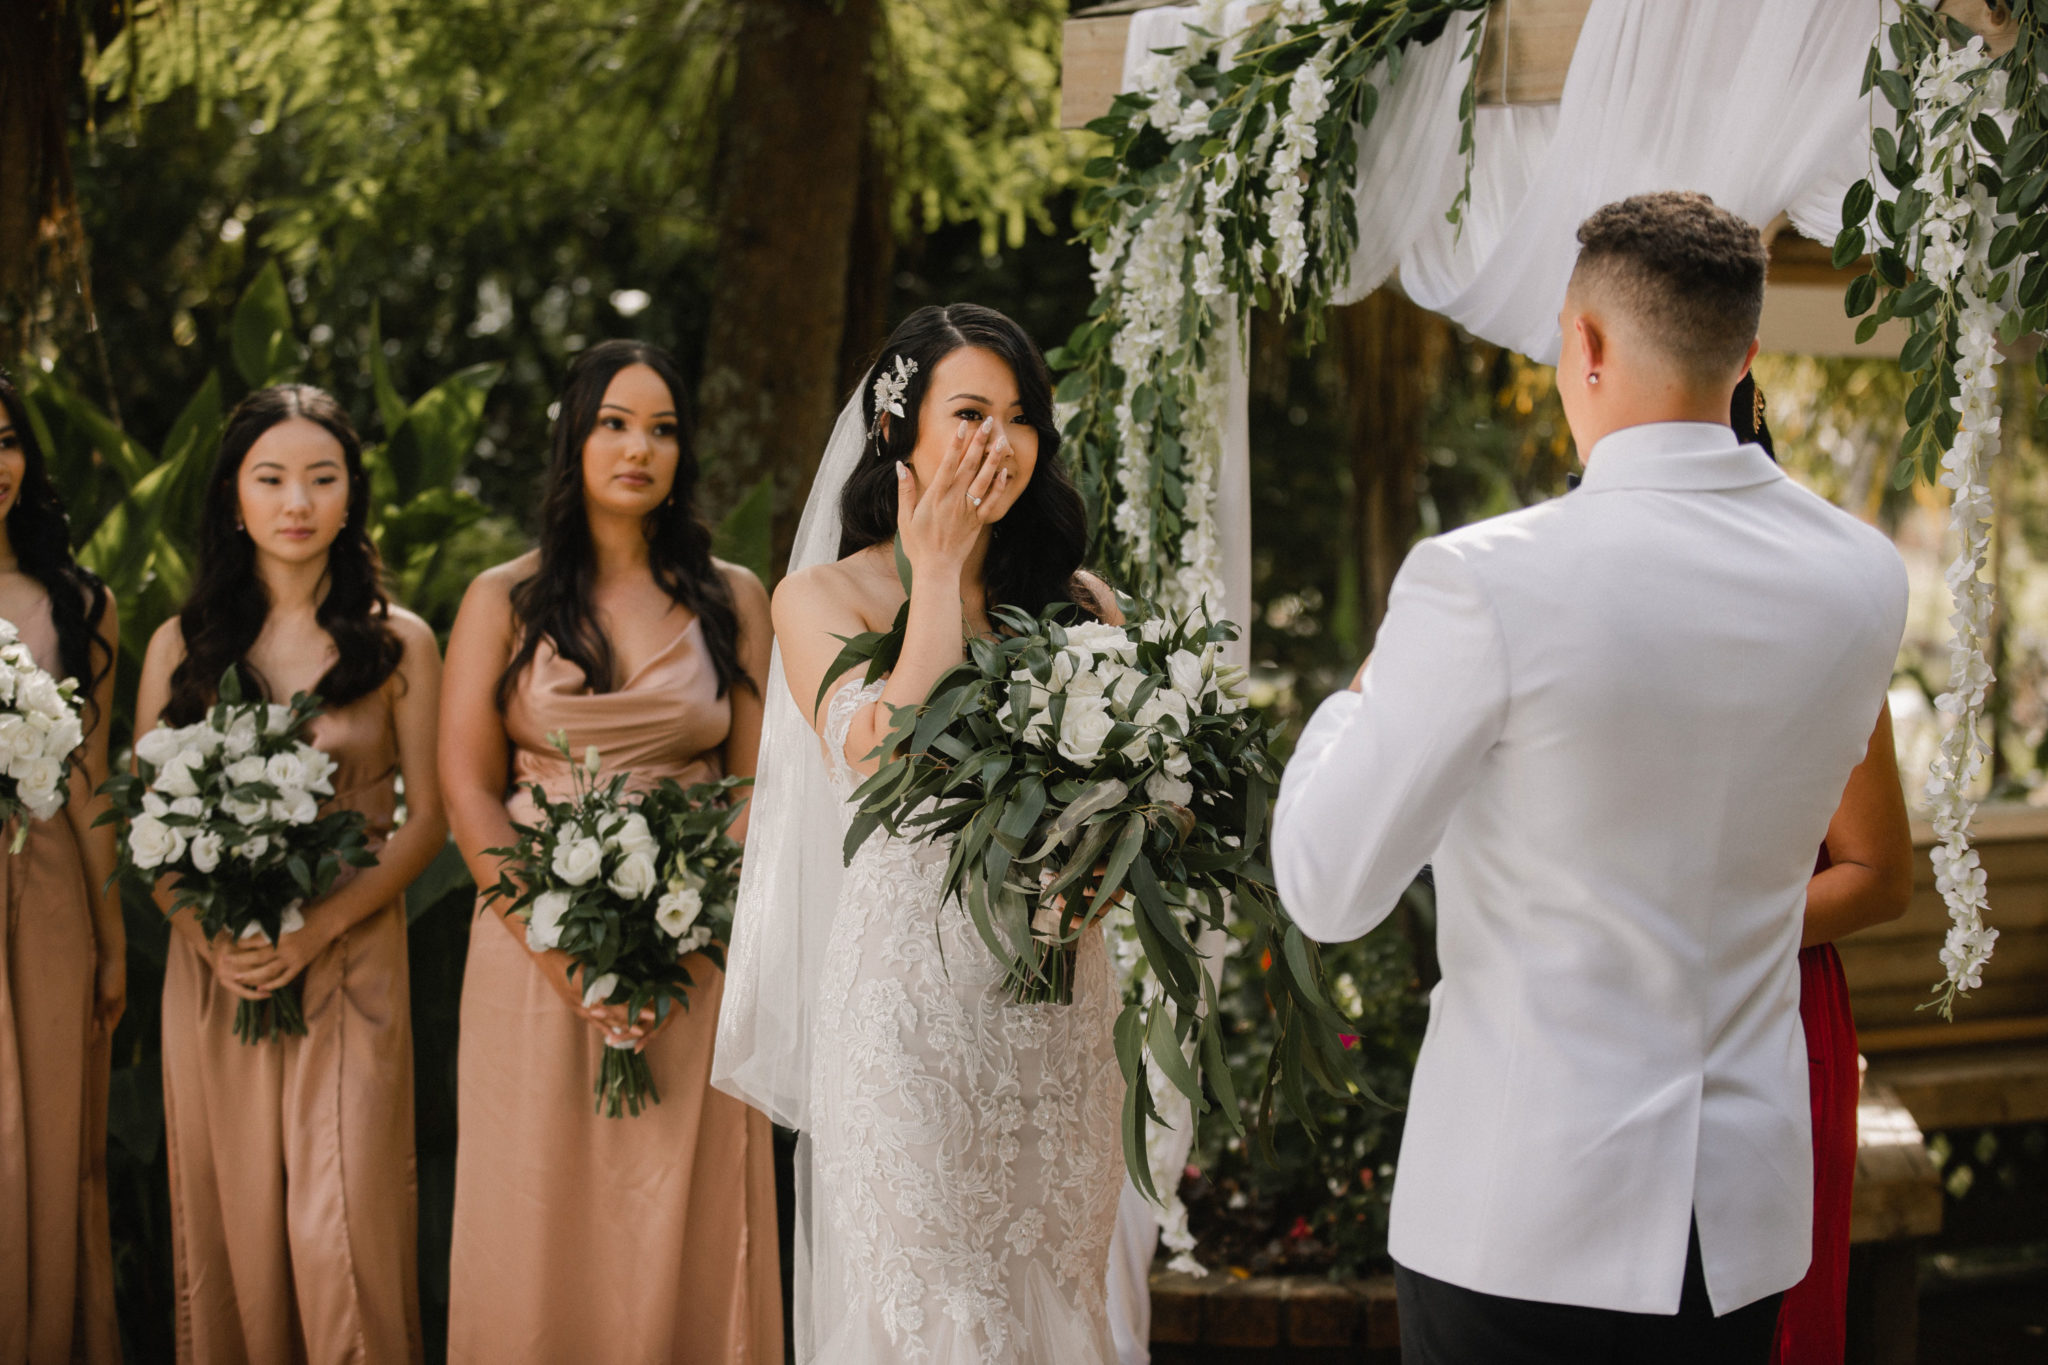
(1618, 724)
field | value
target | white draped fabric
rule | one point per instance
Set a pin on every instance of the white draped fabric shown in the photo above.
(1753, 102)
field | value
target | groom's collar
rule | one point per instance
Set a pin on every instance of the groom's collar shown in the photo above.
(1686, 457)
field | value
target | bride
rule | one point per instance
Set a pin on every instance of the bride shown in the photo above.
(960, 1164)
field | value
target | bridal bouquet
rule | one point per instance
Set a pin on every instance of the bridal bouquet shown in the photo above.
(626, 886)
(39, 728)
(229, 807)
(1069, 761)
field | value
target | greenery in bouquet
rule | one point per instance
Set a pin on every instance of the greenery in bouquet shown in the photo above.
(39, 729)
(1070, 762)
(626, 885)
(1316, 1199)
(228, 808)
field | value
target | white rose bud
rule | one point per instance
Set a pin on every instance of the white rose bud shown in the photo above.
(576, 861)
(206, 850)
(175, 778)
(1189, 673)
(254, 848)
(277, 720)
(241, 736)
(678, 910)
(320, 769)
(1153, 629)
(152, 843)
(67, 734)
(189, 806)
(1084, 727)
(635, 877)
(247, 769)
(1102, 638)
(38, 693)
(296, 808)
(544, 920)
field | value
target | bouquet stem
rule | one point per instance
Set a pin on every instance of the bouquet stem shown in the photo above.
(1048, 979)
(624, 1082)
(258, 1021)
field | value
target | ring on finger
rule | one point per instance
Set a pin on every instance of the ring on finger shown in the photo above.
(973, 501)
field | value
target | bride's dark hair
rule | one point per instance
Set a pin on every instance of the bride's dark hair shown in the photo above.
(554, 604)
(225, 611)
(40, 533)
(1037, 548)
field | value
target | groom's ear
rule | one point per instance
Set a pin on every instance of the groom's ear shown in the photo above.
(1592, 340)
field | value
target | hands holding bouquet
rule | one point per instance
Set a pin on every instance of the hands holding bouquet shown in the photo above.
(1070, 761)
(626, 887)
(229, 808)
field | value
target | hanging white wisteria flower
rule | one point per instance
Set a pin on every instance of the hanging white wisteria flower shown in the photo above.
(1957, 253)
(1224, 188)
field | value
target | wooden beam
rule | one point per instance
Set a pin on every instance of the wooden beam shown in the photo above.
(1523, 59)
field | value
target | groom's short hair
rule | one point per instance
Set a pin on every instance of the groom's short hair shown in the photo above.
(1687, 272)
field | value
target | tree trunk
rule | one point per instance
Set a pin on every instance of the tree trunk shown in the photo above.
(788, 183)
(39, 228)
(1393, 353)
(870, 267)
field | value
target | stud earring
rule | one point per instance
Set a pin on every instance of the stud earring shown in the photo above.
(1593, 378)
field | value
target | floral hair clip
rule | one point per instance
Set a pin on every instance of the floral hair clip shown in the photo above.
(889, 390)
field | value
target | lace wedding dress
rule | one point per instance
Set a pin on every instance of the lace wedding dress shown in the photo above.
(966, 1150)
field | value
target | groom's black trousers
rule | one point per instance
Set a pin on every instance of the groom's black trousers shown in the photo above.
(1442, 1324)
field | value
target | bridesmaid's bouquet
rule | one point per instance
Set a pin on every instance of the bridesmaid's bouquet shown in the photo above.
(627, 886)
(39, 729)
(229, 807)
(1070, 762)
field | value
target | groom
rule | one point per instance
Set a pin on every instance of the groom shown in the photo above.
(1617, 723)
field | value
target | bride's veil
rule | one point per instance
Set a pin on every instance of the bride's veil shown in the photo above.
(789, 883)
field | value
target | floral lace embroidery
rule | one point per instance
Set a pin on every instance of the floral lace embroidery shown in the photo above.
(961, 1140)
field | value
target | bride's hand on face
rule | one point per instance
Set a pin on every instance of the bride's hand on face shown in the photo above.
(941, 522)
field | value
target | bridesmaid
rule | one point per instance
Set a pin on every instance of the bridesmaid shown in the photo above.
(63, 952)
(1863, 876)
(293, 1190)
(579, 1237)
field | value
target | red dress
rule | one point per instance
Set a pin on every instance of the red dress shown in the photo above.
(1811, 1325)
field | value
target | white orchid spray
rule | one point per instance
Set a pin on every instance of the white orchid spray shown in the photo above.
(627, 886)
(228, 808)
(39, 731)
(1081, 771)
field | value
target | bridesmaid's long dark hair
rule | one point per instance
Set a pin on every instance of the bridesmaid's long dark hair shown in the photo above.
(40, 532)
(1036, 550)
(229, 603)
(554, 604)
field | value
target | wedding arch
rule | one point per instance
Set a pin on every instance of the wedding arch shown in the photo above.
(1299, 154)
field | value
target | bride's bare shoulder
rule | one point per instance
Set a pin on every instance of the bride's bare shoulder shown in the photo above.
(845, 587)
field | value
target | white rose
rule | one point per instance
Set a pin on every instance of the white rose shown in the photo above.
(241, 736)
(18, 739)
(9, 680)
(1084, 726)
(701, 935)
(156, 747)
(8, 633)
(544, 920)
(277, 720)
(206, 851)
(1102, 638)
(634, 837)
(1087, 682)
(254, 848)
(203, 740)
(152, 804)
(1121, 683)
(634, 877)
(41, 797)
(1064, 666)
(292, 920)
(1166, 702)
(152, 843)
(1169, 791)
(286, 771)
(175, 777)
(678, 910)
(244, 812)
(576, 861)
(67, 734)
(247, 769)
(188, 805)
(1190, 673)
(1178, 764)
(1153, 629)
(38, 693)
(296, 808)
(320, 769)
(597, 992)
